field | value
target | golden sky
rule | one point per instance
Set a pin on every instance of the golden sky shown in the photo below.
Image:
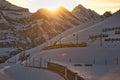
(100, 6)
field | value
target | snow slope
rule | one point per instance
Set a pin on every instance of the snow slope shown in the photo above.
(104, 57)
(32, 29)
(84, 31)
(5, 51)
(19, 72)
(83, 35)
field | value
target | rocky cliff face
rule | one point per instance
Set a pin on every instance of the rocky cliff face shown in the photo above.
(86, 15)
(12, 19)
(19, 27)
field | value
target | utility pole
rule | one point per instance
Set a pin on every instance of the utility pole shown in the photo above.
(106, 62)
(117, 60)
(77, 37)
(40, 62)
(29, 60)
(94, 62)
(101, 36)
(33, 62)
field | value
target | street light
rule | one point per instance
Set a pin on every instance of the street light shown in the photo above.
(76, 37)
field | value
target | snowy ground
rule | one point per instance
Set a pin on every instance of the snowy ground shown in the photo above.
(95, 72)
(99, 72)
(19, 72)
(106, 58)
(106, 65)
(5, 51)
(82, 55)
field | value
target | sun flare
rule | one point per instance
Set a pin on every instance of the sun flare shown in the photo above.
(52, 8)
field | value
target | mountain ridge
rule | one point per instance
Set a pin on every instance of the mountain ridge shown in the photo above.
(36, 28)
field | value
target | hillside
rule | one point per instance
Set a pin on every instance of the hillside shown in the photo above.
(23, 35)
(108, 29)
(83, 36)
(20, 29)
(103, 57)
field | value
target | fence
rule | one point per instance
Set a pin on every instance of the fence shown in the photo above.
(43, 62)
(38, 62)
(63, 71)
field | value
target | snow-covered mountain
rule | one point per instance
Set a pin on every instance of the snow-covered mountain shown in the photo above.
(5, 5)
(20, 27)
(105, 33)
(107, 14)
(12, 21)
(102, 50)
(86, 15)
(12, 18)
(104, 59)
(50, 24)
(109, 49)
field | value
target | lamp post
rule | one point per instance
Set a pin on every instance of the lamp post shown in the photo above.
(76, 37)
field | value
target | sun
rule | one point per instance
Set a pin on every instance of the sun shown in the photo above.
(52, 8)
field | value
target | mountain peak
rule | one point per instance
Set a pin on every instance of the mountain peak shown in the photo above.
(117, 12)
(85, 14)
(79, 7)
(62, 8)
(107, 14)
(5, 5)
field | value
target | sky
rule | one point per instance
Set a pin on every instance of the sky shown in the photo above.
(100, 6)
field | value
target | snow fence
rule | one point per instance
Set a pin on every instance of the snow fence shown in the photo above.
(63, 71)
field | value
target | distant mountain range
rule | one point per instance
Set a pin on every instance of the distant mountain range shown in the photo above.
(20, 28)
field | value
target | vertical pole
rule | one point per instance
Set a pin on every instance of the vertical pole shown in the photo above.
(76, 76)
(117, 60)
(29, 61)
(65, 72)
(61, 42)
(40, 64)
(15, 59)
(43, 63)
(26, 62)
(94, 62)
(105, 61)
(33, 62)
(76, 38)
(101, 40)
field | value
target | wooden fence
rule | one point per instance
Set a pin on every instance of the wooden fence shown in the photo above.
(63, 71)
